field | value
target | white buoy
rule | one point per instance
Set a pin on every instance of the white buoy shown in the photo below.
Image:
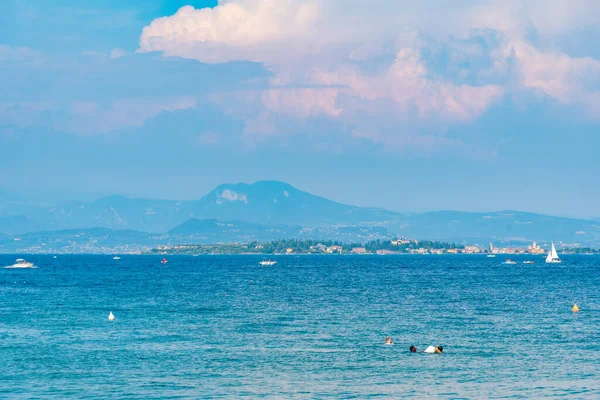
(111, 317)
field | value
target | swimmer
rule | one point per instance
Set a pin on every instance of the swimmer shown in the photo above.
(388, 340)
(413, 349)
(434, 350)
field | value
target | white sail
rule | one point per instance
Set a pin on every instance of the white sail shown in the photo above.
(552, 255)
(553, 252)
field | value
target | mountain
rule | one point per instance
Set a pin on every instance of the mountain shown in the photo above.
(501, 225)
(266, 202)
(271, 209)
(273, 203)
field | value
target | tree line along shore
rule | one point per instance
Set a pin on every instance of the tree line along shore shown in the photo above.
(295, 246)
(382, 247)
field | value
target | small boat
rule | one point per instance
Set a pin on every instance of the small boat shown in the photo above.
(552, 257)
(268, 262)
(54, 257)
(116, 258)
(528, 262)
(509, 261)
(163, 261)
(491, 256)
(111, 316)
(21, 263)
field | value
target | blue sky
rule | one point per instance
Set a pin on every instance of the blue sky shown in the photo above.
(485, 105)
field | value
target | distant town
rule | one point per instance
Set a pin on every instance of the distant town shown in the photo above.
(379, 247)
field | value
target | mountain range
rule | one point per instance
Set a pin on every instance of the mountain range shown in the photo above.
(266, 202)
(270, 210)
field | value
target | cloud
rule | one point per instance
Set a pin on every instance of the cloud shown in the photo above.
(547, 18)
(565, 79)
(391, 72)
(117, 53)
(16, 53)
(27, 113)
(93, 53)
(243, 30)
(421, 66)
(89, 117)
(92, 118)
(231, 195)
(113, 54)
(207, 139)
(21, 54)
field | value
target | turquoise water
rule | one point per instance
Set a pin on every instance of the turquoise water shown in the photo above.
(308, 327)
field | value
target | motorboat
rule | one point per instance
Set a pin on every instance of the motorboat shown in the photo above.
(21, 263)
(528, 262)
(164, 261)
(509, 261)
(268, 262)
(116, 258)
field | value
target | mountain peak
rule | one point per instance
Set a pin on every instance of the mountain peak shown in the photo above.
(258, 185)
(258, 192)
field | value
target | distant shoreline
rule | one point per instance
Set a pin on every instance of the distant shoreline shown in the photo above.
(296, 247)
(147, 254)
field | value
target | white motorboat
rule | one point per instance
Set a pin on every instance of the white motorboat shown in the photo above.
(553, 256)
(268, 262)
(116, 258)
(509, 261)
(21, 263)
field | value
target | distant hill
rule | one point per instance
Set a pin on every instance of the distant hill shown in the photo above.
(95, 240)
(193, 231)
(498, 226)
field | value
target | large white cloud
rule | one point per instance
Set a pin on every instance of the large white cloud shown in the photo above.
(344, 59)
(242, 30)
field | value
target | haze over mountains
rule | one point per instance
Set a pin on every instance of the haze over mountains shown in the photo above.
(270, 210)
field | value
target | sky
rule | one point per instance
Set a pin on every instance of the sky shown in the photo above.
(466, 105)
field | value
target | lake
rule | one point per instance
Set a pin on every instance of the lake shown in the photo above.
(307, 327)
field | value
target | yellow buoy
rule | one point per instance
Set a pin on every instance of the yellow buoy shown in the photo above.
(575, 308)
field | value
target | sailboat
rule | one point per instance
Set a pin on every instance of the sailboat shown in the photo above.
(553, 256)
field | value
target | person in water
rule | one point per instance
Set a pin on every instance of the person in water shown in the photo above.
(434, 350)
(413, 349)
(388, 340)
